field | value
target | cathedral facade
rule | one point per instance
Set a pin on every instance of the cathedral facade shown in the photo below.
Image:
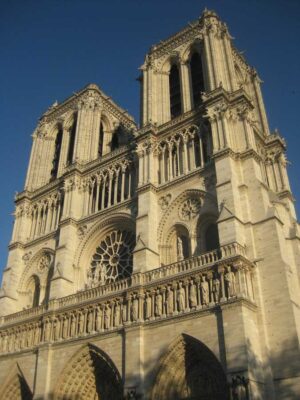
(158, 262)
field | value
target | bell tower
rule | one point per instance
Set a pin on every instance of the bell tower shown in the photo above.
(165, 255)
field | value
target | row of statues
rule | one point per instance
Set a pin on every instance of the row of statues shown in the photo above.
(172, 299)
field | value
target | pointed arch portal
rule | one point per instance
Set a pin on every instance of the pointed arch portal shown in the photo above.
(189, 371)
(90, 375)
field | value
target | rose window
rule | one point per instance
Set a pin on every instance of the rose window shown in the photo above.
(189, 209)
(113, 259)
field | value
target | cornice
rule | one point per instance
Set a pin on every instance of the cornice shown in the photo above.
(107, 211)
(198, 171)
(231, 98)
(50, 236)
(147, 187)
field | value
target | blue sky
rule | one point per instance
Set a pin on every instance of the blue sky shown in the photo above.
(49, 49)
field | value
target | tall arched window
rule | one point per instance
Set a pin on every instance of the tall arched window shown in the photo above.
(72, 141)
(197, 78)
(175, 92)
(101, 138)
(56, 156)
(34, 291)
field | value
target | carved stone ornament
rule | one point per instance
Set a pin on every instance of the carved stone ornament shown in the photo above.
(44, 263)
(26, 257)
(164, 201)
(189, 209)
(81, 231)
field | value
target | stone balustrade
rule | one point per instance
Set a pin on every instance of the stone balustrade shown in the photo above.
(192, 285)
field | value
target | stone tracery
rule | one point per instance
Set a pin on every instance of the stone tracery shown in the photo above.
(112, 259)
(90, 375)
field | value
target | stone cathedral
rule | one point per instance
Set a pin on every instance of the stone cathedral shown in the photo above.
(160, 261)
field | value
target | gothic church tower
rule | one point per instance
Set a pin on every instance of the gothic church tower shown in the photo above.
(162, 261)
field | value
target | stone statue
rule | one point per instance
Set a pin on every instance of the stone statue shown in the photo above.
(103, 275)
(134, 308)
(169, 301)
(117, 314)
(73, 325)
(230, 282)
(96, 275)
(65, 328)
(204, 291)
(124, 312)
(81, 323)
(107, 314)
(179, 249)
(90, 321)
(47, 328)
(239, 388)
(147, 306)
(98, 319)
(193, 295)
(55, 329)
(181, 297)
(29, 337)
(158, 304)
(89, 283)
(216, 289)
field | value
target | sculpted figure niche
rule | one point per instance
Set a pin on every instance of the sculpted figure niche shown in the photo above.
(112, 260)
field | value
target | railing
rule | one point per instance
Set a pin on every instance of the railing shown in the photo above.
(168, 292)
(193, 285)
(203, 261)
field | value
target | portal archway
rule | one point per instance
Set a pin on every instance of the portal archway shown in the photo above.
(189, 371)
(89, 375)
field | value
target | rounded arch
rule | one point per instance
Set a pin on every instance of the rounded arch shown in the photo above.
(90, 374)
(38, 270)
(189, 370)
(33, 291)
(178, 242)
(107, 124)
(187, 209)
(171, 213)
(69, 119)
(173, 59)
(195, 46)
(32, 266)
(93, 238)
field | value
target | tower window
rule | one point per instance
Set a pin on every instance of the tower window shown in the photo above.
(175, 94)
(197, 78)
(101, 137)
(56, 156)
(72, 141)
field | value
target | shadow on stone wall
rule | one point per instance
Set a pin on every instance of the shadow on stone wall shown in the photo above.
(286, 365)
